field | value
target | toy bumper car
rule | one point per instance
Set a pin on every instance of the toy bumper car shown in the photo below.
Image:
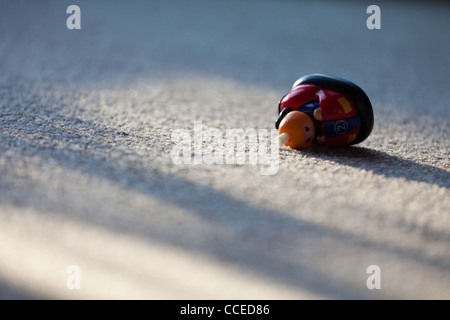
(322, 109)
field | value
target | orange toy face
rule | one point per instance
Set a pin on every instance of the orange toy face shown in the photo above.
(297, 130)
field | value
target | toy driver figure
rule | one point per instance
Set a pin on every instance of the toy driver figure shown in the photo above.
(326, 110)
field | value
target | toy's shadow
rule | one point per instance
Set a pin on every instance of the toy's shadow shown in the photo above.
(382, 163)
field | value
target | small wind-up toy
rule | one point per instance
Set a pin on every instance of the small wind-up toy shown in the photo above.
(322, 109)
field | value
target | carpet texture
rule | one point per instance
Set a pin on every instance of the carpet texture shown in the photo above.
(87, 176)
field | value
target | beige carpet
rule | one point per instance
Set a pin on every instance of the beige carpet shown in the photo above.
(87, 177)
